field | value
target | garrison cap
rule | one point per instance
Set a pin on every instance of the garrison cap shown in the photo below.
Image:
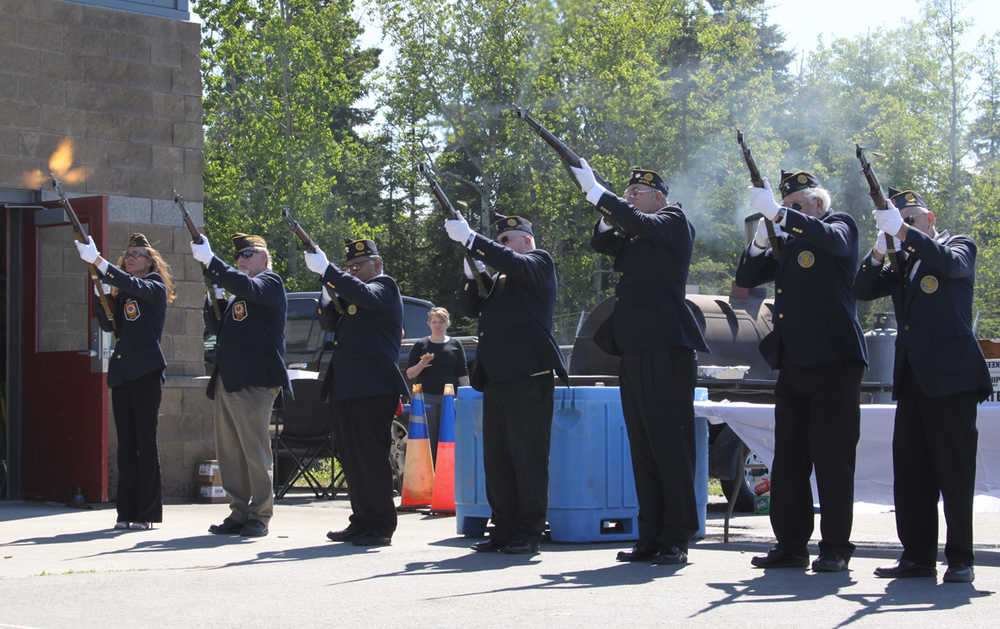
(138, 240)
(905, 198)
(503, 224)
(795, 181)
(242, 242)
(649, 178)
(358, 248)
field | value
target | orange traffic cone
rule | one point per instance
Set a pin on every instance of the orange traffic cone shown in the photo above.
(418, 471)
(443, 498)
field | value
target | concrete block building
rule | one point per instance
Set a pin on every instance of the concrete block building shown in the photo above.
(121, 79)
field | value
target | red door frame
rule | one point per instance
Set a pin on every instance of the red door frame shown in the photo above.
(64, 438)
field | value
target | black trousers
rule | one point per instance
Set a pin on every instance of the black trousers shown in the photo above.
(817, 420)
(657, 390)
(517, 429)
(362, 436)
(934, 452)
(136, 404)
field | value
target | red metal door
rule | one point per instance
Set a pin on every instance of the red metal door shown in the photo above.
(65, 401)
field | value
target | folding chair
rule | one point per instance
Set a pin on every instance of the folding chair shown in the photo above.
(304, 434)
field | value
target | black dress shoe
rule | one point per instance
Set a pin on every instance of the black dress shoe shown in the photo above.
(905, 569)
(520, 547)
(253, 528)
(959, 573)
(672, 555)
(777, 558)
(344, 535)
(487, 546)
(228, 526)
(371, 539)
(829, 563)
(638, 553)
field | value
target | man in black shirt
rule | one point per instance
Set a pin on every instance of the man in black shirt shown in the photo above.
(516, 360)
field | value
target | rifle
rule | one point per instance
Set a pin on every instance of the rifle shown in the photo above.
(196, 238)
(758, 182)
(881, 203)
(311, 248)
(452, 213)
(82, 237)
(570, 158)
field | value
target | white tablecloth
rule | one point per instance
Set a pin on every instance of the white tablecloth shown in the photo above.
(754, 424)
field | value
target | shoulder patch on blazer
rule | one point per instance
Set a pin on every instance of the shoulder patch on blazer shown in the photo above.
(929, 284)
(240, 312)
(352, 309)
(806, 259)
(132, 311)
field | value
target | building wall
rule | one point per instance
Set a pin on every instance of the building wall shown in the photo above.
(126, 88)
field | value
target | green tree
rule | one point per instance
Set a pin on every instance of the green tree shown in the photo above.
(281, 81)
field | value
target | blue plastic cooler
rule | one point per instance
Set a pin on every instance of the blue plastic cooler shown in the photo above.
(591, 485)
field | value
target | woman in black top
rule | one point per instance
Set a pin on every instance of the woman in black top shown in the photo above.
(437, 360)
(140, 292)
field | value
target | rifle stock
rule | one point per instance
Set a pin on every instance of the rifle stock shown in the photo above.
(445, 203)
(881, 203)
(197, 238)
(82, 237)
(758, 182)
(311, 247)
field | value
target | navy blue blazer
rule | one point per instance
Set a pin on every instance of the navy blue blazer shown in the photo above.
(653, 259)
(366, 337)
(933, 303)
(250, 343)
(140, 309)
(515, 318)
(815, 319)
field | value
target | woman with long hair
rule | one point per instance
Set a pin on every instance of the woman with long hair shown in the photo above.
(141, 286)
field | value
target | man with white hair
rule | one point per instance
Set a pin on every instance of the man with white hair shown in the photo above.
(939, 377)
(820, 352)
(249, 373)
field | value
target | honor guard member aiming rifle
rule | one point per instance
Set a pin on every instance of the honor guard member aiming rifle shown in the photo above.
(656, 336)
(249, 373)
(939, 377)
(514, 370)
(363, 383)
(818, 348)
(140, 287)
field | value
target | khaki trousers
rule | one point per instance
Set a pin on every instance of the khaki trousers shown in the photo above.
(243, 447)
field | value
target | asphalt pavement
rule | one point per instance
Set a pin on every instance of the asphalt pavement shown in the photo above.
(65, 567)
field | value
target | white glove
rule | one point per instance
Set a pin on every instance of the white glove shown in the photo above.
(87, 250)
(325, 297)
(890, 221)
(588, 182)
(218, 292)
(202, 252)
(880, 244)
(317, 262)
(105, 288)
(760, 237)
(762, 200)
(458, 230)
(480, 268)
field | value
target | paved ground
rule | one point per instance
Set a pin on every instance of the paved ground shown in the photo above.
(62, 567)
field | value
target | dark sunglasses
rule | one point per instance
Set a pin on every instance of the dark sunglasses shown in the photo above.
(247, 253)
(797, 206)
(136, 254)
(909, 220)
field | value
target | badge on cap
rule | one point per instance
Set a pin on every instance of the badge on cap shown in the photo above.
(806, 259)
(239, 310)
(512, 221)
(132, 311)
(929, 284)
(360, 246)
(802, 178)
